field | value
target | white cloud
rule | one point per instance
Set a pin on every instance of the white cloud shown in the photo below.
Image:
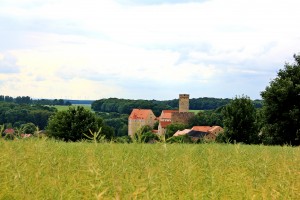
(137, 48)
(8, 64)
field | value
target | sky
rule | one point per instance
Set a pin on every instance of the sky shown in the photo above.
(144, 49)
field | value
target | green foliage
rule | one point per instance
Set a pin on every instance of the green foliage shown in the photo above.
(281, 111)
(18, 114)
(142, 135)
(117, 121)
(95, 136)
(125, 106)
(171, 129)
(70, 124)
(149, 137)
(123, 139)
(155, 125)
(179, 139)
(28, 128)
(2, 127)
(240, 121)
(207, 118)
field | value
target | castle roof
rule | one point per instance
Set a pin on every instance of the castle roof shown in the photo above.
(140, 113)
(207, 129)
(9, 131)
(202, 128)
(164, 124)
(167, 114)
(183, 132)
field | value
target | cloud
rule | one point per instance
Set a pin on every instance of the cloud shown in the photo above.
(8, 64)
(145, 49)
(157, 2)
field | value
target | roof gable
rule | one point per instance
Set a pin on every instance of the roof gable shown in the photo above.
(140, 113)
(183, 132)
(201, 128)
(167, 114)
(9, 131)
(164, 124)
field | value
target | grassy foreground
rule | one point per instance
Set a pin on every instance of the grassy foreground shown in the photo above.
(47, 169)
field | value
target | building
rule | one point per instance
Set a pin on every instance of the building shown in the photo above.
(164, 120)
(180, 116)
(139, 118)
(9, 131)
(208, 133)
(184, 102)
(142, 117)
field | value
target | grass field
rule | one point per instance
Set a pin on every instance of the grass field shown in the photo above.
(86, 106)
(47, 169)
(196, 111)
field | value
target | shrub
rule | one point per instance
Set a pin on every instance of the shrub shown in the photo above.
(70, 125)
(28, 128)
(180, 139)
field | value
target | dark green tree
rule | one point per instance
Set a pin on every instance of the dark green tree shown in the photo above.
(28, 128)
(173, 128)
(240, 121)
(207, 118)
(281, 110)
(70, 125)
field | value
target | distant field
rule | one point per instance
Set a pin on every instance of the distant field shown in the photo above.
(47, 169)
(195, 111)
(60, 108)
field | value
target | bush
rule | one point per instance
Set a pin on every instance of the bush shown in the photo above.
(70, 125)
(149, 137)
(28, 128)
(180, 139)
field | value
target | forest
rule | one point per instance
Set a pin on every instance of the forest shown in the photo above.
(125, 106)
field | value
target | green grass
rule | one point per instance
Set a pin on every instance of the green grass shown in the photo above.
(47, 169)
(62, 108)
(196, 111)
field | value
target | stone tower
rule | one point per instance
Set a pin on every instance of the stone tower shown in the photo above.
(184, 102)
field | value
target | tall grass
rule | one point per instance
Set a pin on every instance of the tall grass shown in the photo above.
(47, 169)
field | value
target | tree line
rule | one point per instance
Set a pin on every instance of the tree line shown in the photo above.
(28, 100)
(125, 106)
(15, 115)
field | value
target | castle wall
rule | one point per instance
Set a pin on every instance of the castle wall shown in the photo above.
(181, 117)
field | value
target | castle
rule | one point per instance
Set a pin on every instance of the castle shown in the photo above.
(142, 117)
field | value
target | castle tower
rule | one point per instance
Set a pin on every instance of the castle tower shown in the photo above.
(184, 102)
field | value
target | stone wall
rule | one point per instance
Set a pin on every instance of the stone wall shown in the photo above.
(181, 117)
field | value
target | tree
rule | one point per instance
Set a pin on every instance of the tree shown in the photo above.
(240, 121)
(281, 109)
(173, 128)
(28, 128)
(207, 118)
(70, 125)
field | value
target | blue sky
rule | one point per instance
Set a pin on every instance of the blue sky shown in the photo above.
(144, 49)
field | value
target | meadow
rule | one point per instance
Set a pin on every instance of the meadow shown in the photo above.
(49, 169)
(63, 108)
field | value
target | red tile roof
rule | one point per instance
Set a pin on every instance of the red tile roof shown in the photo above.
(140, 113)
(167, 114)
(9, 131)
(201, 128)
(183, 132)
(164, 124)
